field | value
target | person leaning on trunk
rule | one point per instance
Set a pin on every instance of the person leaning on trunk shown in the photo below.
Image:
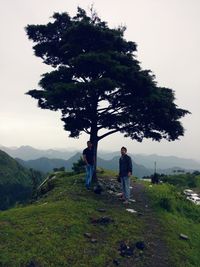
(88, 157)
(125, 171)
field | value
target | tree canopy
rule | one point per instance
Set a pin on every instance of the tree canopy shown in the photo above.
(97, 82)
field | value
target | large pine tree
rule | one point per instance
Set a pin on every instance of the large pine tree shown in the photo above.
(97, 82)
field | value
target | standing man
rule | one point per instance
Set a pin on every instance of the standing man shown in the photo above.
(88, 157)
(125, 171)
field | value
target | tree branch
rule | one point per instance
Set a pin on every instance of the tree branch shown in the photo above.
(108, 133)
(86, 131)
(102, 109)
(108, 109)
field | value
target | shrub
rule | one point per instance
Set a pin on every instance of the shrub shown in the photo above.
(79, 166)
(166, 203)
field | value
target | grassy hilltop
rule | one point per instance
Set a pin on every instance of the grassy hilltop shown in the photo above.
(51, 231)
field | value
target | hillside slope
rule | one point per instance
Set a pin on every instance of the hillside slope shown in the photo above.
(15, 181)
(70, 226)
(12, 172)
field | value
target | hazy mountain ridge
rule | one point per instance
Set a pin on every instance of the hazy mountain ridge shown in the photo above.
(30, 153)
(46, 160)
(113, 164)
(165, 162)
(47, 165)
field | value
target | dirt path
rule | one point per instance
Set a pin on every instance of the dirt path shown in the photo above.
(156, 254)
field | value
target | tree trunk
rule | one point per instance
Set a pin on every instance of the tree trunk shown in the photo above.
(94, 140)
(95, 146)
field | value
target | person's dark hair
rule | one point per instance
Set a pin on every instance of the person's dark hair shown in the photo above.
(89, 142)
(124, 148)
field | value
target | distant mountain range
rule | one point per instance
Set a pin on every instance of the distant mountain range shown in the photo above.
(47, 165)
(29, 153)
(165, 162)
(46, 160)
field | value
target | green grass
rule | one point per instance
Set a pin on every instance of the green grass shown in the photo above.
(178, 215)
(50, 232)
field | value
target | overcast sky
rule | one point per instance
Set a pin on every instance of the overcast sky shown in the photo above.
(167, 33)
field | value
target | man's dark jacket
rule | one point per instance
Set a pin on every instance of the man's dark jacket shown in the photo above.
(125, 165)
